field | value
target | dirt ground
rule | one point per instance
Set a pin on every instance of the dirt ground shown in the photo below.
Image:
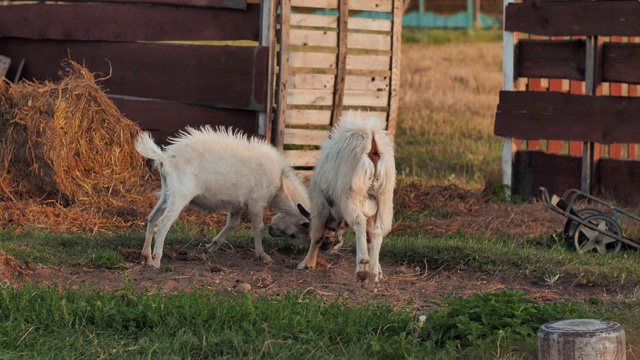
(467, 211)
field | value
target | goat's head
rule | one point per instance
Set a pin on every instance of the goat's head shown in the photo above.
(295, 228)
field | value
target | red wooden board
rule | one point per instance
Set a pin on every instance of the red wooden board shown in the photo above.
(560, 116)
(560, 18)
(219, 76)
(127, 22)
(551, 59)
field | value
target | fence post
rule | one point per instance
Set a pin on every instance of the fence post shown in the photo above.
(508, 79)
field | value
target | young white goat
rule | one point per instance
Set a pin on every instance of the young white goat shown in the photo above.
(222, 170)
(353, 182)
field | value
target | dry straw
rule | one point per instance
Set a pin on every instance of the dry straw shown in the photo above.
(67, 142)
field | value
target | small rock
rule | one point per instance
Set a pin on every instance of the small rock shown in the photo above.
(243, 286)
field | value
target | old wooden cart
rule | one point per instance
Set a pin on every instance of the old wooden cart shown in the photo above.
(596, 226)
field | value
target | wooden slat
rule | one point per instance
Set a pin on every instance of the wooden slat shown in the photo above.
(122, 22)
(328, 61)
(305, 136)
(621, 62)
(302, 158)
(306, 37)
(394, 93)
(165, 118)
(212, 75)
(325, 97)
(565, 18)
(267, 37)
(341, 62)
(325, 81)
(328, 21)
(559, 116)
(551, 59)
(221, 4)
(305, 117)
(356, 23)
(311, 81)
(369, 41)
(364, 5)
(283, 75)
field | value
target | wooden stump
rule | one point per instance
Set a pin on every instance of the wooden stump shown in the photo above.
(581, 339)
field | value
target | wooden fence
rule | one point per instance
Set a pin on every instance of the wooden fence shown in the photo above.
(569, 110)
(171, 63)
(329, 63)
(158, 70)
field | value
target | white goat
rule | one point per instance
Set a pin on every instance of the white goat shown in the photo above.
(353, 182)
(222, 170)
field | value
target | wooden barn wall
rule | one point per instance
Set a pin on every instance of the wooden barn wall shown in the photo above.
(148, 56)
(561, 47)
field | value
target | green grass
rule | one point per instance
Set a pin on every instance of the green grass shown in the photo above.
(90, 323)
(87, 322)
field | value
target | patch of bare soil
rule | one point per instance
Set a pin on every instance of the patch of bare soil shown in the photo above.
(461, 210)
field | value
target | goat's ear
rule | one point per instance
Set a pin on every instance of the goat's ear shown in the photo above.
(304, 212)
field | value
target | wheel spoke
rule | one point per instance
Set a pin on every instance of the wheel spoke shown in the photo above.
(602, 239)
(590, 236)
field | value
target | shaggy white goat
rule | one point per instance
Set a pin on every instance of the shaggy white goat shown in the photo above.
(353, 182)
(220, 170)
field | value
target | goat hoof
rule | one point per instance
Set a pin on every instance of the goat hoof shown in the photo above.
(362, 276)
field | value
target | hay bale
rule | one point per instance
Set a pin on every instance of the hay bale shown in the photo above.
(66, 142)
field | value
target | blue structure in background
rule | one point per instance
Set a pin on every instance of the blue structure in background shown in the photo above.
(430, 20)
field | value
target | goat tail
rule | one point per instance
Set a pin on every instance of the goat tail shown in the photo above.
(147, 147)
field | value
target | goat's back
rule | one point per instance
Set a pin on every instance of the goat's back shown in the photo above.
(345, 164)
(224, 162)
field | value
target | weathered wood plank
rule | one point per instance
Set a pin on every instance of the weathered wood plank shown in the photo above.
(351, 98)
(621, 62)
(211, 75)
(306, 117)
(394, 78)
(325, 81)
(306, 37)
(341, 60)
(560, 116)
(122, 22)
(305, 136)
(283, 75)
(302, 158)
(603, 18)
(563, 59)
(327, 21)
(328, 61)
(364, 5)
(221, 4)
(165, 118)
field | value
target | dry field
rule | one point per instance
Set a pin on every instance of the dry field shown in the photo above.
(448, 101)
